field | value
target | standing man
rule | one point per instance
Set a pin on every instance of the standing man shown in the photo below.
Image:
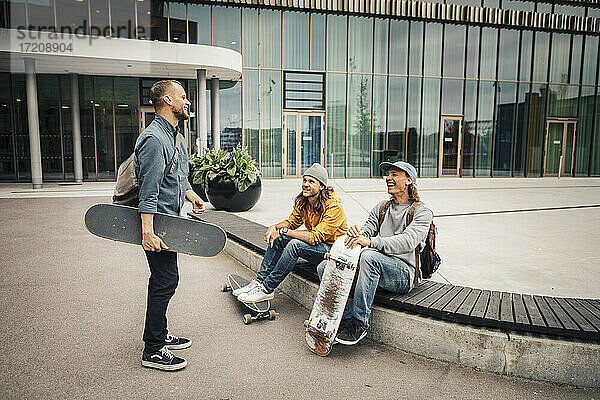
(388, 258)
(161, 166)
(320, 210)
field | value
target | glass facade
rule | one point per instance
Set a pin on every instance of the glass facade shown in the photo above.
(391, 85)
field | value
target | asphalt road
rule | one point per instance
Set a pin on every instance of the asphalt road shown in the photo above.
(73, 310)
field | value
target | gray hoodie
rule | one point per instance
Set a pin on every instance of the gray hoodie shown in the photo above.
(393, 237)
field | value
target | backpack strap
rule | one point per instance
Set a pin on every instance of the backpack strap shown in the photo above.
(409, 218)
(384, 209)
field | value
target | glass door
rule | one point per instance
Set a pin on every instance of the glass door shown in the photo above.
(450, 141)
(146, 117)
(558, 158)
(303, 142)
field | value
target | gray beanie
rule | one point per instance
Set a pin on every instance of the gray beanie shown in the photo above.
(318, 172)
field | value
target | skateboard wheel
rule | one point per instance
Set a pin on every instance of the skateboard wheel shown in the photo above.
(272, 314)
(224, 287)
(247, 319)
(306, 323)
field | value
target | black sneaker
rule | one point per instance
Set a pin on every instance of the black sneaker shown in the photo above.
(343, 326)
(163, 359)
(177, 343)
(352, 334)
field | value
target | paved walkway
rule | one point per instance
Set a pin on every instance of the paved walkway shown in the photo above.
(536, 236)
(73, 310)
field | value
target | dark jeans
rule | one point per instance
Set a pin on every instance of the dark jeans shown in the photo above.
(164, 277)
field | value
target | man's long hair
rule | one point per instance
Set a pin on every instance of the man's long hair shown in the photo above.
(413, 193)
(302, 202)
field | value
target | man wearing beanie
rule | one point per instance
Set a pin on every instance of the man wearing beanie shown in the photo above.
(388, 256)
(320, 210)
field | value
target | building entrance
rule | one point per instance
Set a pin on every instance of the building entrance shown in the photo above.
(560, 139)
(302, 141)
(450, 144)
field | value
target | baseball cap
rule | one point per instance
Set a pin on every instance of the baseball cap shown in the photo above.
(402, 165)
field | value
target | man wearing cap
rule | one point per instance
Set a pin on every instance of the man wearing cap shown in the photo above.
(388, 258)
(320, 210)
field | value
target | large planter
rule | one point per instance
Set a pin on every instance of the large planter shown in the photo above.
(197, 188)
(223, 194)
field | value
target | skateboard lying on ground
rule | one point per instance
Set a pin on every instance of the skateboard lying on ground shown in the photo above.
(259, 310)
(323, 323)
(182, 235)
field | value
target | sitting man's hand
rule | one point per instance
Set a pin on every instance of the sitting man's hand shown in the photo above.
(362, 240)
(354, 231)
(271, 235)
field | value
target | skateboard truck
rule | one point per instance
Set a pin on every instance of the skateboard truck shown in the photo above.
(341, 262)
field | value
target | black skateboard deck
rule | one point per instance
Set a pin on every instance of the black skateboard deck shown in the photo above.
(182, 235)
(261, 310)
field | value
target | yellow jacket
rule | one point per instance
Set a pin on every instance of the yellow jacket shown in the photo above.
(325, 226)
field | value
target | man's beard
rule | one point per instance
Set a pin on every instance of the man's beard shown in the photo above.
(181, 115)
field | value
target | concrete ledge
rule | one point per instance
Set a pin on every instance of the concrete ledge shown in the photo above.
(569, 361)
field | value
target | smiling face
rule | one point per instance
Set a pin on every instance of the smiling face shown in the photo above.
(397, 181)
(177, 100)
(310, 186)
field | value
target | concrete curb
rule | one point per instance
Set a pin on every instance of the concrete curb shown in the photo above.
(563, 360)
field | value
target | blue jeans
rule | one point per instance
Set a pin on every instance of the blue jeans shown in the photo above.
(280, 259)
(375, 269)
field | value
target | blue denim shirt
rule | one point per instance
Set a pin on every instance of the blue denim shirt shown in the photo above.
(154, 150)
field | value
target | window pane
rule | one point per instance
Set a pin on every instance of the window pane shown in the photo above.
(509, 54)
(590, 60)
(86, 116)
(398, 46)
(270, 38)
(454, 50)
(317, 41)
(431, 127)
(416, 48)
(473, 3)
(49, 120)
(227, 30)
(250, 23)
(144, 28)
(517, 5)
(535, 138)
(559, 67)
(67, 127)
(414, 121)
(336, 123)
(381, 45)
(563, 101)
(336, 42)
(544, 7)
(270, 123)
(199, 24)
(569, 10)
(433, 49)
(489, 46)
(99, 12)
(576, 51)
(469, 128)
(230, 101)
(250, 103)
(473, 52)
(69, 13)
(41, 14)
(505, 120)
(540, 57)
(7, 154)
(396, 118)
(452, 96)
(526, 50)
(177, 24)
(584, 131)
(491, 3)
(360, 44)
(596, 149)
(157, 21)
(295, 40)
(103, 109)
(379, 121)
(485, 117)
(521, 131)
(126, 116)
(122, 18)
(359, 125)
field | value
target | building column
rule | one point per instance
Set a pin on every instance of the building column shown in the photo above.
(77, 158)
(35, 148)
(214, 107)
(201, 141)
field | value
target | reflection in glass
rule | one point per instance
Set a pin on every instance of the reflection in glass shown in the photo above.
(379, 121)
(485, 127)
(544, 7)
(144, 22)
(381, 45)
(250, 45)
(336, 123)
(270, 123)
(584, 131)
(295, 40)
(317, 41)
(433, 49)
(99, 12)
(509, 54)
(122, 18)
(469, 128)
(559, 67)
(290, 132)
(431, 127)
(563, 101)
(250, 103)
(540, 57)
(473, 51)
(595, 167)
(17, 13)
(521, 130)
(526, 50)
(310, 141)
(536, 128)
(7, 154)
(72, 16)
(227, 27)
(454, 50)
(489, 48)
(413, 129)
(396, 119)
(199, 24)
(177, 24)
(576, 51)
(66, 127)
(450, 146)
(452, 96)
(336, 34)
(505, 125)
(360, 44)
(230, 120)
(86, 118)
(359, 125)
(126, 116)
(590, 60)
(569, 10)
(49, 121)
(270, 38)
(517, 5)
(103, 112)
(398, 46)
(416, 48)
(41, 14)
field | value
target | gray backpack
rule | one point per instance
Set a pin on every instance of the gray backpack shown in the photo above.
(127, 190)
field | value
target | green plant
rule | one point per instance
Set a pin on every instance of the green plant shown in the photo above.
(235, 164)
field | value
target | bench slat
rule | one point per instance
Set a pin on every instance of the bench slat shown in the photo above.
(520, 313)
(410, 303)
(440, 303)
(583, 324)
(427, 302)
(570, 327)
(538, 323)
(464, 311)
(415, 291)
(594, 317)
(506, 310)
(492, 313)
(481, 306)
(552, 321)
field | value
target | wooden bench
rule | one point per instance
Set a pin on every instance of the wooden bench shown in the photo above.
(553, 316)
